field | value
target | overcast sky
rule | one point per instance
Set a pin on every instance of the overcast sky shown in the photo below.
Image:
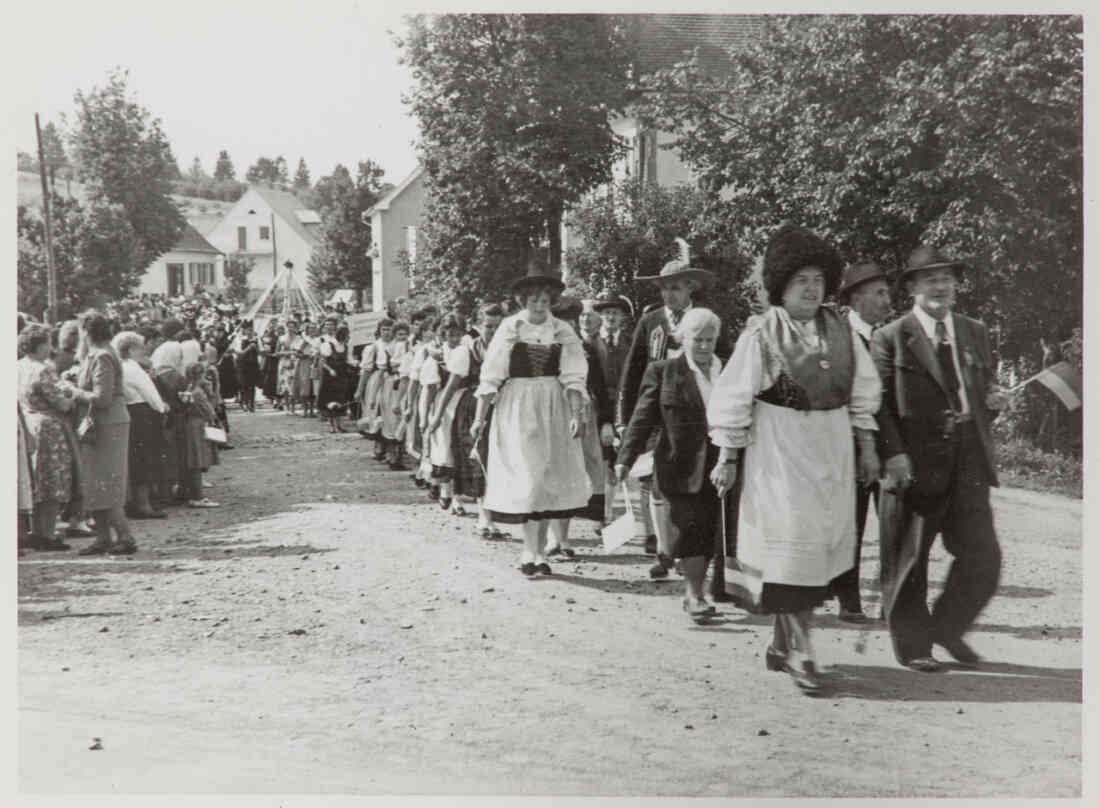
(317, 80)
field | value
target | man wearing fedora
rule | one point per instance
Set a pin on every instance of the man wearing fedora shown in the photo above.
(865, 290)
(937, 403)
(610, 345)
(653, 341)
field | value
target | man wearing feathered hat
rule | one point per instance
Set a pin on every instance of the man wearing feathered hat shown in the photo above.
(865, 290)
(938, 400)
(679, 282)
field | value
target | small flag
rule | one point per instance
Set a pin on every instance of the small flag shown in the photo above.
(1064, 381)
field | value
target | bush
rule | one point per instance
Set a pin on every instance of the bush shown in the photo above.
(1021, 464)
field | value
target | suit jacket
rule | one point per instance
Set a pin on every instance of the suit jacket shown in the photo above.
(597, 386)
(101, 373)
(612, 361)
(915, 397)
(669, 402)
(650, 344)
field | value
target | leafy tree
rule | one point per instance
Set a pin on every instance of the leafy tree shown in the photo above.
(237, 268)
(94, 253)
(301, 177)
(341, 260)
(514, 127)
(25, 162)
(881, 132)
(268, 172)
(630, 230)
(123, 157)
(223, 169)
(57, 161)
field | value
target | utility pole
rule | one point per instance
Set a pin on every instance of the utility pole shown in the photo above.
(274, 253)
(51, 268)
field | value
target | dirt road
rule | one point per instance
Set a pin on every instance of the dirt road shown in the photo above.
(329, 631)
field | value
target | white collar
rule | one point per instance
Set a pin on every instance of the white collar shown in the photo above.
(928, 323)
(713, 371)
(859, 324)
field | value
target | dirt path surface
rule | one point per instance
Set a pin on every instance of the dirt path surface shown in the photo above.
(328, 631)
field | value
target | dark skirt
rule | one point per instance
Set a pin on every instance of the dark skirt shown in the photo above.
(469, 477)
(149, 460)
(269, 382)
(227, 377)
(332, 398)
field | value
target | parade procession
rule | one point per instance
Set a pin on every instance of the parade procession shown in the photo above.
(701, 414)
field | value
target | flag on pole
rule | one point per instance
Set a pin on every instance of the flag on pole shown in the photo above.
(1064, 381)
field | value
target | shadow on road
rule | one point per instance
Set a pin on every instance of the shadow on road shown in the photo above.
(995, 682)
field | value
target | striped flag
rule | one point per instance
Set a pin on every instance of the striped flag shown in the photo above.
(1064, 381)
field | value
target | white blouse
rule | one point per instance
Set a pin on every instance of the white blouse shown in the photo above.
(138, 388)
(730, 407)
(518, 328)
(457, 359)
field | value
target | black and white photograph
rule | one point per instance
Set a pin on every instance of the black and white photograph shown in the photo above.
(541, 401)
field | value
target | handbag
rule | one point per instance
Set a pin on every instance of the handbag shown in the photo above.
(85, 430)
(215, 434)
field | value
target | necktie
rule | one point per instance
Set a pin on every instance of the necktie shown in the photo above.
(947, 363)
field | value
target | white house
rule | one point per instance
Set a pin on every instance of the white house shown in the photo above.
(193, 261)
(394, 219)
(271, 227)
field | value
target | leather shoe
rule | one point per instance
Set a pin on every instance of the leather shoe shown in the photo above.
(963, 654)
(775, 660)
(651, 545)
(924, 664)
(852, 616)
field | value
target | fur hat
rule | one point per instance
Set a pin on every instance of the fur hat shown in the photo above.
(793, 248)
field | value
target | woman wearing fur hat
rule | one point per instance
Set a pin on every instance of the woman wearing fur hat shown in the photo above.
(785, 409)
(535, 370)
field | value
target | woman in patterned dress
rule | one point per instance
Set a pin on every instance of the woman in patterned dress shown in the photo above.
(534, 374)
(391, 427)
(45, 404)
(289, 344)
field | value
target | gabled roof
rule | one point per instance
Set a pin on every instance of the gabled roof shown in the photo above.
(191, 240)
(286, 205)
(384, 202)
(662, 40)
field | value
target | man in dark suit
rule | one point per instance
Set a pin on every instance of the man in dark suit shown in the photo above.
(865, 289)
(610, 344)
(653, 341)
(938, 400)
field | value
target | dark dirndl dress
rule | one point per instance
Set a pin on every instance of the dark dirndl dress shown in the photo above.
(332, 398)
(469, 470)
(149, 461)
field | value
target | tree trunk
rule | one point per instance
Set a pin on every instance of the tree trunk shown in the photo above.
(554, 226)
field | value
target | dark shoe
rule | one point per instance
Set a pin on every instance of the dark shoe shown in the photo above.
(651, 545)
(528, 569)
(963, 654)
(95, 548)
(433, 492)
(444, 503)
(78, 533)
(49, 544)
(661, 568)
(544, 569)
(568, 552)
(699, 614)
(124, 547)
(722, 596)
(396, 465)
(805, 678)
(775, 660)
(924, 664)
(848, 616)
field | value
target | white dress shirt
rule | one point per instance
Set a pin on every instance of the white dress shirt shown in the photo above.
(705, 381)
(138, 388)
(928, 324)
(859, 325)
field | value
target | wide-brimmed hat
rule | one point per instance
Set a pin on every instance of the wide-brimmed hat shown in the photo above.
(926, 256)
(620, 302)
(680, 268)
(858, 274)
(538, 273)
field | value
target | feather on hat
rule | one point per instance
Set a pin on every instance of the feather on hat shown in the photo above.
(680, 268)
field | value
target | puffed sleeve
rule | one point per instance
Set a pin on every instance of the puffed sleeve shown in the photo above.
(458, 363)
(366, 363)
(429, 371)
(494, 369)
(133, 373)
(326, 349)
(866, 388)
(574, 366)
(729, 410)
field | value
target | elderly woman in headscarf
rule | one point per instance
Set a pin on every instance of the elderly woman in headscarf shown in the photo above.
(787, 405)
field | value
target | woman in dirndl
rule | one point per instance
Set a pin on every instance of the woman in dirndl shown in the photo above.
(375, 357)
(409, 395)
(787, 404)
(303, 370)
(148, 458)
(269, 364)
(332, 399)
(289, 345)
(469, 458)
(390, 425)
(534, 375)
(455, 369)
